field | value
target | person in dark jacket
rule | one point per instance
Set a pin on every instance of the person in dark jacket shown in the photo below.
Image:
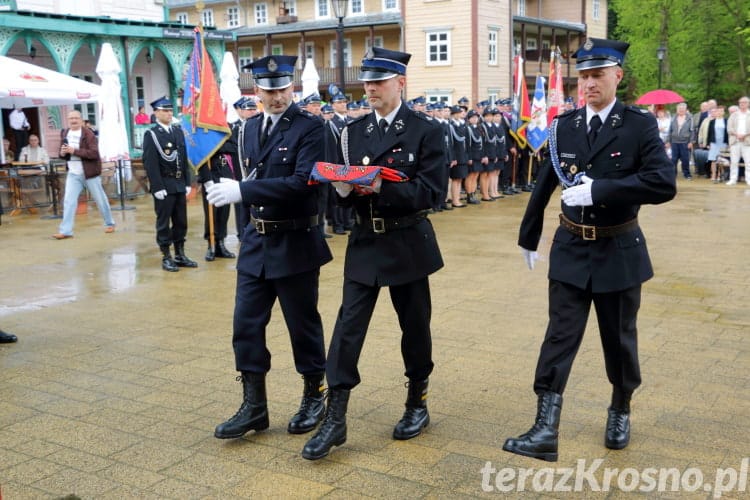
(598, 253)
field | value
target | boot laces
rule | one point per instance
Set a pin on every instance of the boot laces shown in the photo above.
(618, 422)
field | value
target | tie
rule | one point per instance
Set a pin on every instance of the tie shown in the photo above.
(383, 124)
(266, 130)
(594, 125)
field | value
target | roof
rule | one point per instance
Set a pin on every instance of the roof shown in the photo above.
(322, 24)
(566, 25)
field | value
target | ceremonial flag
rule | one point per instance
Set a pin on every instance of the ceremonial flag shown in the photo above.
(204, 120)
(521, 111)
(555, 95)
(581, 96)
(536, 131)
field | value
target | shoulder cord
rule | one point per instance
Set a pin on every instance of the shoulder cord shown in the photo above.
(567, 180)
(456, 137)
(167, 157)
(473, 137)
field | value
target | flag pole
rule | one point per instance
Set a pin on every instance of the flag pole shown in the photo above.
(211, 238)
(528, 174)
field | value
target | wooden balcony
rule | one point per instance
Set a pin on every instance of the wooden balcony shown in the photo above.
(327, 76)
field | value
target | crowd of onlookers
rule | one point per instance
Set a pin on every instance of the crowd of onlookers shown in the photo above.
(715, 141)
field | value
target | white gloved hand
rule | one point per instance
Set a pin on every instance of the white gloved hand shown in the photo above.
(187, 190)
(580, 195)
(160, 195)
(227, 191)
(530, 256)
(342, 188)
(208, 184)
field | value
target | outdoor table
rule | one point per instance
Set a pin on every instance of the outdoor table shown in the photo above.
(25, 183)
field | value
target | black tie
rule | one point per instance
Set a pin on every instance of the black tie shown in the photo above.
(594, 125)
(383, 124)
(266, 130)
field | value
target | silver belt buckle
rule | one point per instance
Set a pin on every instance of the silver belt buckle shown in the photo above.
(588, 233)
(178, 175)
(378, 225)
(260, 226)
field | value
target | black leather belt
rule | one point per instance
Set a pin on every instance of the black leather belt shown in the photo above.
(597, 232)
(381, 225)
(276, 226)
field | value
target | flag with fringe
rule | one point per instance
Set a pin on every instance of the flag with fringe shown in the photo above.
(555, 93)
(521, 110)
(536, 130)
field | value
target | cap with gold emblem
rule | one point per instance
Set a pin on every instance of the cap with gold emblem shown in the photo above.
(600, 53)
(382, 64)
(273, 72)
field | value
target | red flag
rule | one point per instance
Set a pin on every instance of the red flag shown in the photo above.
(555, 94)
(521, 111)
(581, 97)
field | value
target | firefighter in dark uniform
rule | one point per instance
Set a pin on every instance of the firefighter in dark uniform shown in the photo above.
(459, 166)
(246, 108)
(165, 160)
(392, 244)
(222, 164)
(342, 215)
(507, 177)
(282, 248)
(610, 161)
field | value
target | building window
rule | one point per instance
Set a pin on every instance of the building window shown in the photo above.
(277, 49)
(88, 111)
(310, 50)
(290, 6)
(438, 48)
(521, 7)
(321, 9)
(245, 56)
(233, 17)
(531, 44)
(390, 5)
(492, 52)
(595, 10)
(140, 91)
(347, 53)
(378, 42)
(357, 7)
(182, 17)
(207, 17)
(261, 13)
(438, 97)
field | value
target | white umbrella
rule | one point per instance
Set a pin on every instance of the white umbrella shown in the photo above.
(230, 87)
(113, 133)
(310, 78)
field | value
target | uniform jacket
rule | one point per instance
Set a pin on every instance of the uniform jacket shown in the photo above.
(174, 175)
(630, 168)
(414, 146)
(88, 150)
(460, 142)
(277, 189)
(476, 143)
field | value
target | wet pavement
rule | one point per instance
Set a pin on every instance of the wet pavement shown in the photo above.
(122, 370)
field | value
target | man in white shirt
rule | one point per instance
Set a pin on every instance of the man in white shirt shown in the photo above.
(20, 125)
(739, 140)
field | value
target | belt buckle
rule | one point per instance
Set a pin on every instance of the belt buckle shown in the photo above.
(588, 233)
(378, 225)
(178, 174)
(260, 226)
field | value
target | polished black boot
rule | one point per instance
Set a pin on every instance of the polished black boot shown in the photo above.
(617, 435)
(332, 432)
(541, 440)
(415, 417)
(167, 263)
(210, 256)
(253, 413)
(180, 258)
(222, 251)
(472, 200)
(311, 408)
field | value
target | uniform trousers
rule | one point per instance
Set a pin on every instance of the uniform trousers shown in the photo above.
(298, 298)
(413, 307)
(616, 313)
(171, 219)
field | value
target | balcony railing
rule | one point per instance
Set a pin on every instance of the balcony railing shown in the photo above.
(327, 76)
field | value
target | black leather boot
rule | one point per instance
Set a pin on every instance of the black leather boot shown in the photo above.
(332, 432)
(311, 408)
(167, 263)
(541, 440)
(210, 256)
(180, 258)
(617, 435)
(222, 251)
(415, 417)
(253, 413)
(471, 199)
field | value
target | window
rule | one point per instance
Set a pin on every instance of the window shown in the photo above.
(207, 17)
(531, 44)
(140, 91)
(182, 17)
(357, 7)
(347, 53)
(233, 17)
(521, 7)
(310, 50)
(290, 6)
(545, 45)
(261, 13)
(438, 97)
(277, 49)
(378, 42)
(245, 56)
(492, 52)
(390, 5)
(88, 111)
(438, 48)
(595, 9)
(321, 9)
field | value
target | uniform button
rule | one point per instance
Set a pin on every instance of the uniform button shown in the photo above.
(283, 159)
(260, 164)
(260, 209)
(593, 216)
(588, 166)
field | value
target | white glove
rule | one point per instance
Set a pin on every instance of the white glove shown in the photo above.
(226, 192)
(530, 256)
(342, 188)
(187, 190)
(580, 195)
(160, 195)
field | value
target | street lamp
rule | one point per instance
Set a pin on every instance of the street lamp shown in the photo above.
(339, 10)
(660, 53)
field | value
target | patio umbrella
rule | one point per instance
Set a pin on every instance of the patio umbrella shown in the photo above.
(310, 78)
(229, 89)
(660, 96)
(113, 133)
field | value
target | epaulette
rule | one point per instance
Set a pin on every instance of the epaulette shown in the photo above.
(566, 113)
(636, 109)
(357, 119)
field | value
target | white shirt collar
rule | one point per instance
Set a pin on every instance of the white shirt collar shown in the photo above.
(603, 114)
(389, 117)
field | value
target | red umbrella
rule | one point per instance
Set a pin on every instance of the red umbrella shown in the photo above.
(660, 96)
